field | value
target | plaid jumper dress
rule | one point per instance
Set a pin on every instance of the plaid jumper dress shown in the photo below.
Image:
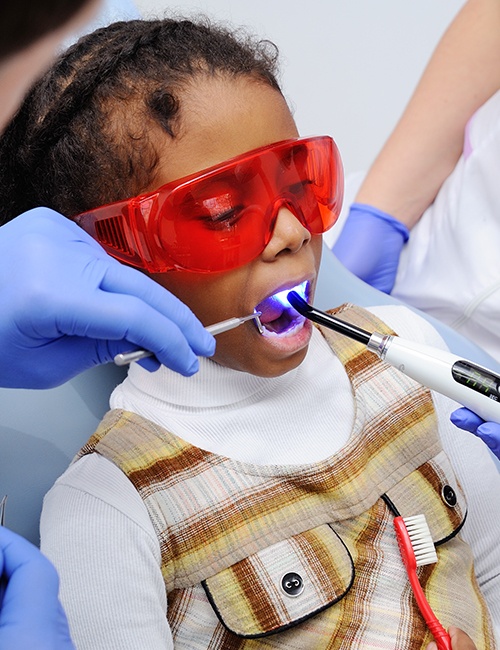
(305, 557)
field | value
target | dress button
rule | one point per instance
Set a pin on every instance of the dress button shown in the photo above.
(292, 584)
(449, 496)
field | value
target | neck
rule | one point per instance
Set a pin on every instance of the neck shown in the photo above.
(249, 418)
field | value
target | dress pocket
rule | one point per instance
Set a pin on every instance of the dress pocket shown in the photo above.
(282, 585)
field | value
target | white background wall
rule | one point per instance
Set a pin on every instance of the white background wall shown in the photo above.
(348, 66)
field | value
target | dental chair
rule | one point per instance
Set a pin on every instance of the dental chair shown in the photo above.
(41, 431)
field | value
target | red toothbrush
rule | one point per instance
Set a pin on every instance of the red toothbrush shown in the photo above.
(417, 549)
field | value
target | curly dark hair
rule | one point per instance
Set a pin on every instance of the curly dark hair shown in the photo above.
(80, 139)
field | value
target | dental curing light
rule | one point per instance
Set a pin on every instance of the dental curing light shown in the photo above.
(466, 382)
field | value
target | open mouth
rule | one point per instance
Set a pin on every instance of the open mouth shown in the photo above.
(278, 317)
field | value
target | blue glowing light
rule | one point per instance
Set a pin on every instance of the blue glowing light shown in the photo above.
(282, 296)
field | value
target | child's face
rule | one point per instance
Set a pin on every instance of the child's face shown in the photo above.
(221, 119)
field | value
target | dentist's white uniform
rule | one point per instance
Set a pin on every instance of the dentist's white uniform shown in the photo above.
(450, 267)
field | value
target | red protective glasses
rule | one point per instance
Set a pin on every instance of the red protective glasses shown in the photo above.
(224, 216)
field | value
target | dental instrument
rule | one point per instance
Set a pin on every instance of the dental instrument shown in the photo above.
(3, 579)
(464, 381)
(124, 358)
(3, 503)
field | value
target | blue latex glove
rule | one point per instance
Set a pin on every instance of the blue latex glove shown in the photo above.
(489, 432)
(370, 245)
(67, 306)
(31, 615)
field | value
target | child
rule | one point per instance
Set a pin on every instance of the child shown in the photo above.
(252, 505)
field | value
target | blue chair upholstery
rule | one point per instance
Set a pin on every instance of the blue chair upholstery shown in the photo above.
(41, 431)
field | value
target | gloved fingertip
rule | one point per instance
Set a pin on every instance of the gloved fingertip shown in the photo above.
(488, 430)
(193, 368)
(490, 436)
(204, 347)
(457, 418)
(466, 420)
(151, 364)
(210, 347)
(383, 286)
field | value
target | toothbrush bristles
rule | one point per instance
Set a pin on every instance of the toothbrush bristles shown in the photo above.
(421, 540)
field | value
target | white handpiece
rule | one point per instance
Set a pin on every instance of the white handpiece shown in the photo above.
(468, 383)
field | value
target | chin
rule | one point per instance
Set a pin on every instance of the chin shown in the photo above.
(264, 367)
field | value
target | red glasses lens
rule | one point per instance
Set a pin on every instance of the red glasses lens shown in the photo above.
(226, 218)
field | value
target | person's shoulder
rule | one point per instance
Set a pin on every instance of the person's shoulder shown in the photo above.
(97, 477)
(408, 324)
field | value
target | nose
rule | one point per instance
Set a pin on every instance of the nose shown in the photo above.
(289, 235)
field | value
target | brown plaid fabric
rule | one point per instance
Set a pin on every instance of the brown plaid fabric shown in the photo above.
(305, 557)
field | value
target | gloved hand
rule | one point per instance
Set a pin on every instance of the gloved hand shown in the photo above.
(67, 306)
(489, 432)
(31, 615)
(459, 641)
(370, 245)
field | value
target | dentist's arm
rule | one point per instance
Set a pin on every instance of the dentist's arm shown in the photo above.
(67, 306)
(30, 615)
(489, 432)
(424, 147)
